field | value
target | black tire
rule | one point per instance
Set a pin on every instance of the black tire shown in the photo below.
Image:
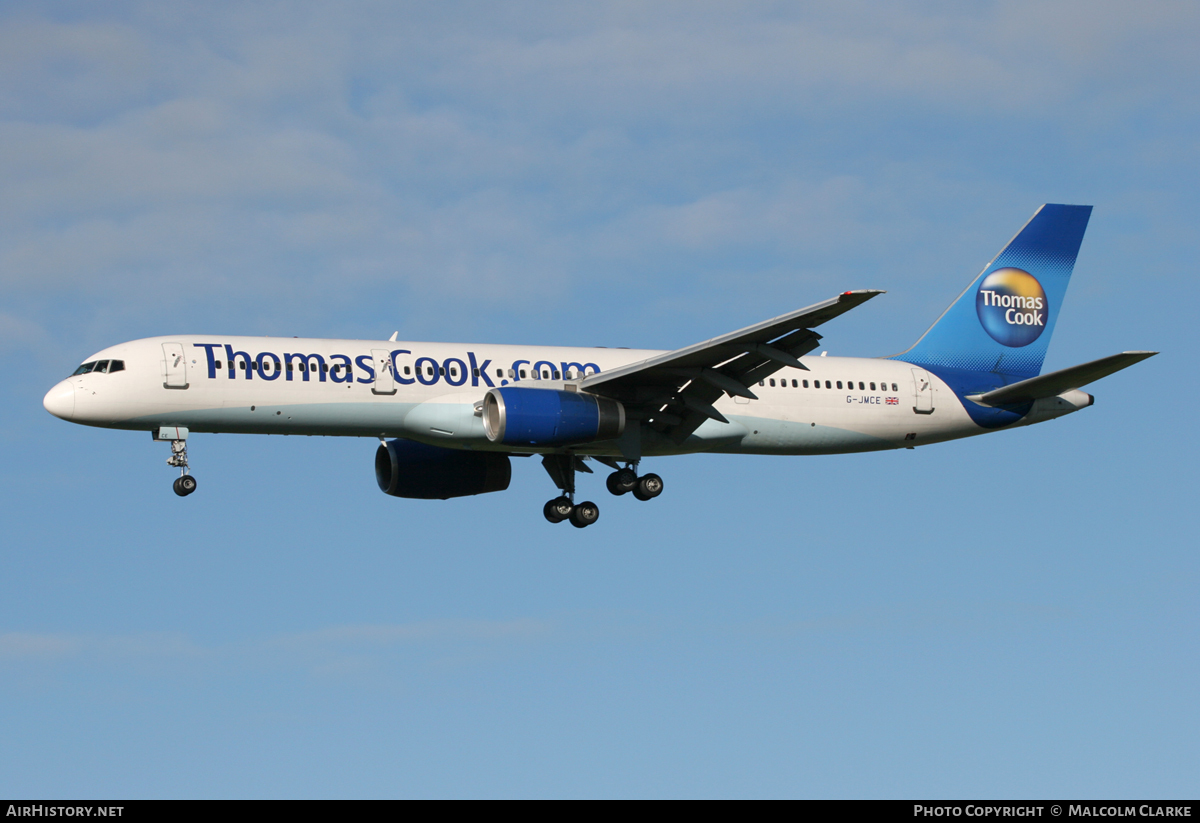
(649, 486)
(584, 514)
(622, 481)
(558, 509)
(188, 485)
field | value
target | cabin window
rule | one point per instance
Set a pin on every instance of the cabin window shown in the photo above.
(806, 384)
(839, 384)
(772, 382)
(894, 388)
(861, 387)
(522, 372)
(829, 385)
(762, 382)
(406, 370)
(453, 372)
(242, 365)
(872, 387)
(474, 372)
(499, 372)
(441, 371)
(325, 367)
(796, 385)
(556, 376)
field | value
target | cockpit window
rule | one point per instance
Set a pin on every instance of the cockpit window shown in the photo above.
(100, 367)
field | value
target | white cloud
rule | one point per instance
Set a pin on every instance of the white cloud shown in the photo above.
(27, 646)
(501, 155)
(329, 650)
(443, 631)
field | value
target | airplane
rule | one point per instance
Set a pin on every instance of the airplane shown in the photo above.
(450, 416)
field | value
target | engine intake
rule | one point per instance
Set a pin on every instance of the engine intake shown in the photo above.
(547, 417)
(406, 468)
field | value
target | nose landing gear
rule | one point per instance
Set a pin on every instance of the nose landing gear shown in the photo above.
(185, 484)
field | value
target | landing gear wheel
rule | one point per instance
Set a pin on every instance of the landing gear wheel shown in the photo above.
(622, 481)
(184, 485)
(558, 509)
(584, 514)
(649, 486)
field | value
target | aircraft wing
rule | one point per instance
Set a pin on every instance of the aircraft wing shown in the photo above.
(674, 392)
(1057, 382)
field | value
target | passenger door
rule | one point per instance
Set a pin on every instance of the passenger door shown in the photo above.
(174, 366)
(385, 378)
(922, 392)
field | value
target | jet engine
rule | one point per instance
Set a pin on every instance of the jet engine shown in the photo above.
(406, 468)
(518, 416)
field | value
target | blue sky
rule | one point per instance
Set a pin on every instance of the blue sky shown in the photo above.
(1005, 616)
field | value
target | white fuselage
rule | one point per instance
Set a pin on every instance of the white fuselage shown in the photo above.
(348, 388)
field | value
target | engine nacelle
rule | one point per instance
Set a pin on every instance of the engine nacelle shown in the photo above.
(519, 416)
(406, 468)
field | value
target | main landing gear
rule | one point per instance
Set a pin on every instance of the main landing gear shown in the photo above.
(562, 468)
(623, 481)
(580, 514)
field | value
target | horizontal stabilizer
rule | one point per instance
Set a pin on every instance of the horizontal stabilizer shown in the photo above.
(1055, 383)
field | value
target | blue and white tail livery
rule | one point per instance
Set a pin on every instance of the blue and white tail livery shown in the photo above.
(450, 417)
(1002, 323)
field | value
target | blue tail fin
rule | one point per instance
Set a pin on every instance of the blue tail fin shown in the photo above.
(1002, 323)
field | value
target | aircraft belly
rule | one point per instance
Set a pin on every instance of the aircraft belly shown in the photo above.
(445, 418)
(775, 436)
(350, 419)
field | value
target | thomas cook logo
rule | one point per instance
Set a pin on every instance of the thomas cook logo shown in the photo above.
(1012, 307)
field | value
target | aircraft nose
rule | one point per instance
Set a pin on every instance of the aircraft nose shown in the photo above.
(60, 400)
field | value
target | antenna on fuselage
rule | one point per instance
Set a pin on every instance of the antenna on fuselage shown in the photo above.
(392, 339)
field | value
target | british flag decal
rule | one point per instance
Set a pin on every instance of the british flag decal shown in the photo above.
(893, 401)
